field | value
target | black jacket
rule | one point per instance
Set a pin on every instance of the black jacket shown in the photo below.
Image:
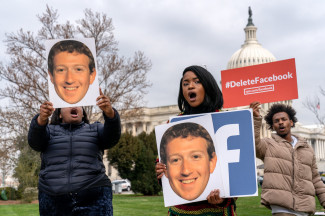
(72, 154)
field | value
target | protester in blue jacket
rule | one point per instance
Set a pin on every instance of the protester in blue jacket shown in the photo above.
(72, 179)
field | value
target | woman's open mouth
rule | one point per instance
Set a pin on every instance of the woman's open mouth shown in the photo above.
(192, 96)
(74, 113)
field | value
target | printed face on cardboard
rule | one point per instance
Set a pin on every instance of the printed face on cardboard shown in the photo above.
(71, 68)
(189, 166)
(188, 149)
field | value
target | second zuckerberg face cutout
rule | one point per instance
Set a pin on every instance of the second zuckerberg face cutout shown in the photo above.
(189, 166)
(72, 72)
(189, 154)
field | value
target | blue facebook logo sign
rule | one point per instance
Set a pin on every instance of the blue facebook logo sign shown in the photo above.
(234, 136)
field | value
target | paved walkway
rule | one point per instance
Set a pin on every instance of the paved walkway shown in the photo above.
(126, 192)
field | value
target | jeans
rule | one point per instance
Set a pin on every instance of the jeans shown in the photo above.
(93, 201)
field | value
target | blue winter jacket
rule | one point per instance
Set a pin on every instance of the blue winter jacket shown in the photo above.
(72, 154)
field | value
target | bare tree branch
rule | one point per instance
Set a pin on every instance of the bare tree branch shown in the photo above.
(124, 80)
(312, 104)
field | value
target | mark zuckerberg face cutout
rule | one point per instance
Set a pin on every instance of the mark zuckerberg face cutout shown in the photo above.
(71, 76)
(189, 166)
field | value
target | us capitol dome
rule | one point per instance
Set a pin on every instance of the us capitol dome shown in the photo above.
(251, 52)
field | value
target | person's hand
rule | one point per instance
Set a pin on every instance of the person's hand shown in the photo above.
(214, 197)
(160, 169)
(255, 106)
(105, 104)
(46, 110)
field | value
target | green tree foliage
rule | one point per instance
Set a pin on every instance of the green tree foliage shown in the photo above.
(134, 158)
(124, 154)
(27, 168)
(145, 180)
(12, 193)
(149, 140)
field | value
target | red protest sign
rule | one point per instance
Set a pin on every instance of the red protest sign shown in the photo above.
(269, 82)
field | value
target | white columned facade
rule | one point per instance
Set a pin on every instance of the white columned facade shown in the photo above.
(317, 148)
(134, 132)
(322, 149)
(124, 128)
(323, 156)
(150, 118)
(144, 126)
(315, 137)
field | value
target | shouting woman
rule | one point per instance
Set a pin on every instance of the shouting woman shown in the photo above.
(199, 93)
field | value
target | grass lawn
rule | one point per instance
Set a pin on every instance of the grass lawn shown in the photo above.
(140, 205)
(19, 210)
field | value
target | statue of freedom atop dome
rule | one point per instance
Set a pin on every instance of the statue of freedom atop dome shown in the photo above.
(250, 20)
(250, 12)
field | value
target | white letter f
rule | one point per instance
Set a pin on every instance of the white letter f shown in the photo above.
(227, 156)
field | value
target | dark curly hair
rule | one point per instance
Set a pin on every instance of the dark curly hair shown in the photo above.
(276, 108)
(185, 130)
(70, 46)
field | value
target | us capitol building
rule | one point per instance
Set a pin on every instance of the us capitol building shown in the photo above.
(250, 53)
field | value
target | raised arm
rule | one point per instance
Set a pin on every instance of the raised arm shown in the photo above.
(260, 144)
(38, 133)
(110, 132)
